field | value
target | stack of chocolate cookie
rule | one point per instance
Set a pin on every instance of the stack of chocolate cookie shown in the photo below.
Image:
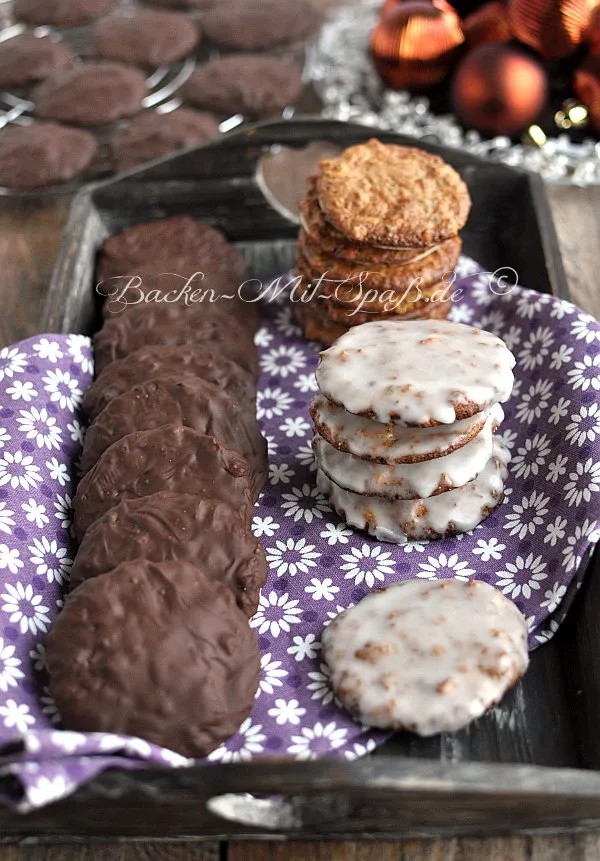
(405, 426)
(154, 639)
(378, 238)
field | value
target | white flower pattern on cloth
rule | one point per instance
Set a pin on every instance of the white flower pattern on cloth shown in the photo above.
(534, 547)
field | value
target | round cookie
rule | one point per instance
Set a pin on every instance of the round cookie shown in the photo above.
(393, 195)
(90, 94)
(319, 326)
(170, 458)
(332, 242)
(120, 336)
(182, 4)
(151, 135)
(399, 521)
(426, 657)
(173, 527)
(350, 305)
(391, 443)
(43, 154)
(27, 58)
(149, 363)
(173, 294)
(157, 651)
(409, 480)
(248, 84)
(180, 244)
(61, 13)
(148, 39)
(315, 327)
(383, 279)
(190, 402)
(418, 373)
(252, 25)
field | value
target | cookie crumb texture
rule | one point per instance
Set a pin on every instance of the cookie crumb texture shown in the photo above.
(155, 650)
(427, 657)
(393, 195)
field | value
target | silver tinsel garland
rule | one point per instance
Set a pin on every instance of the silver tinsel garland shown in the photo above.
(344, 77)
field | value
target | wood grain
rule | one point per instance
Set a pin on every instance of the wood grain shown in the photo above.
(115, 852)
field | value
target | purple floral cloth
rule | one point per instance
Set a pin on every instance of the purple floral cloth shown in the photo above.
(534, 547)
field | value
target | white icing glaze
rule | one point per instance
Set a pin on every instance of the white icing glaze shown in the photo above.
(426, 656)
(409, 480)
(416, 372)
(399, 521)
(391, 443)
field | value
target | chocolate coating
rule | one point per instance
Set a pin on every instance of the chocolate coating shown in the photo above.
(173, 294)
(149, 38)
(169, 458)
(179, 528)
(91, 93)
(249, 84)
(251, 26)
(154, 650)
(120, 336)
(191, 403)
(187, 360)
(150, 136)
(43, 154)
(61, 13)
(178, 244)
(27, 58)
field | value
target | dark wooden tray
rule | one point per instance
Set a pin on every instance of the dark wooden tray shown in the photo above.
(525, 766)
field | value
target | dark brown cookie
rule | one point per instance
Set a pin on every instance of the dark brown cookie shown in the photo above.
(147, 39)
(154, 650)
(27, 58)
(172, 527)
(61, 13)
(248, 84)
(333, 243)
(150, 136)
(251, 25)
(122, 335)
(190, 402)
(178, 244)
(92, 93)
(171, 458)
(383, 194)
(182, 4)
(149, 363)
(174, 294)
(43, 154)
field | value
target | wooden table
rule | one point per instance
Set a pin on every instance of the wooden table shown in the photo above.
(29, 237)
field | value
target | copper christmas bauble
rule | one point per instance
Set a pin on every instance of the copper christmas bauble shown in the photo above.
(499, 90)
(586, 84)
(553, 27)
(591, 35)
(415, 44)
(487, 24)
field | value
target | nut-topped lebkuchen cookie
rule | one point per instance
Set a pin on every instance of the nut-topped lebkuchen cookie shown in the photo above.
(379, 238)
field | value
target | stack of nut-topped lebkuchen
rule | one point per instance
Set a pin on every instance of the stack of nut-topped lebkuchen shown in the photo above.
(405, 425)
(154, 639)
(378, 239)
